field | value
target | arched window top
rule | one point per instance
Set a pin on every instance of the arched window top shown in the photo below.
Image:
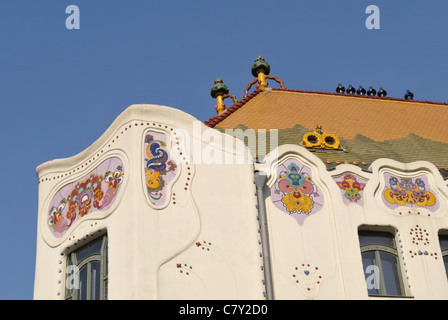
(376, 239)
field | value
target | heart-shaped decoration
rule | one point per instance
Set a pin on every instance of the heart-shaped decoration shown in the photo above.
(306, 272)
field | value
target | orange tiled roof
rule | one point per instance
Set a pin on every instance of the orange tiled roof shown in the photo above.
(379, 119)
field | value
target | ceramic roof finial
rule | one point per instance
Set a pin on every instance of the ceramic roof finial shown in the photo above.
(261, 69)
(218, 90)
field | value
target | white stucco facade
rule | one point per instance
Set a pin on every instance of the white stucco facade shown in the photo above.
(327, 243)
(191, 230)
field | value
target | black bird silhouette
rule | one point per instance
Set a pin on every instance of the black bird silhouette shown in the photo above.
(382, 93)
(409, 95)
(371, 92)
(340, 88)
(361, 91)
(350, 89)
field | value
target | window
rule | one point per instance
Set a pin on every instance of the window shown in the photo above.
(87, 271)
(381, 263)
(443, 238)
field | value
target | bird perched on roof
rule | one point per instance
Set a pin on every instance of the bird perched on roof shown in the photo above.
(340, 88)
(350, 89)
(409, 95)
(371, 92)
(361, 91)
(382, 93)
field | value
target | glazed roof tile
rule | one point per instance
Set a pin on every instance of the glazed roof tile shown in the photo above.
(368, 127)
(378, 118)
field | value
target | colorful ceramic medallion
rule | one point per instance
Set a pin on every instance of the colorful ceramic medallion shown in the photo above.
(96, 191)
(160, 169)
(352, 188)
(413, 192)
(294, 191)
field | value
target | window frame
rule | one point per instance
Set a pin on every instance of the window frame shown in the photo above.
(443, 234)
(87, 262)
(377, 249)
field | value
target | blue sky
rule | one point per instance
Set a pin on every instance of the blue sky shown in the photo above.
(60, 89)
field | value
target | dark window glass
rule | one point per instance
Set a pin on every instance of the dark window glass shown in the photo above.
(443, 238)
(389, 267)
(95, 277)
(89, 264)
(378, 238)
(372, 281)
(89, 249)
(445, 261)
(82, 292)
(381, 264)
(443, 242)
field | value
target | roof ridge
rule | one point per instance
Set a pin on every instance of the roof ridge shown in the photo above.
(213, 121)
(361, 96)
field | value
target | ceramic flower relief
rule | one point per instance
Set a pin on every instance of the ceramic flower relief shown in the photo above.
(408, 191)
(294, 191)
(352, 188)
(94, 192)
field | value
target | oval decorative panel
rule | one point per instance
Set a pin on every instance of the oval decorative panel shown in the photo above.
(96, 191)
(159, 167)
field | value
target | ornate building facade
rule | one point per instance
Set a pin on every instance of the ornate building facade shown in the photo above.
(286, 194)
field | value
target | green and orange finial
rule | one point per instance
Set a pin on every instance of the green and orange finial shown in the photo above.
(261, 69)
(218, 90)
